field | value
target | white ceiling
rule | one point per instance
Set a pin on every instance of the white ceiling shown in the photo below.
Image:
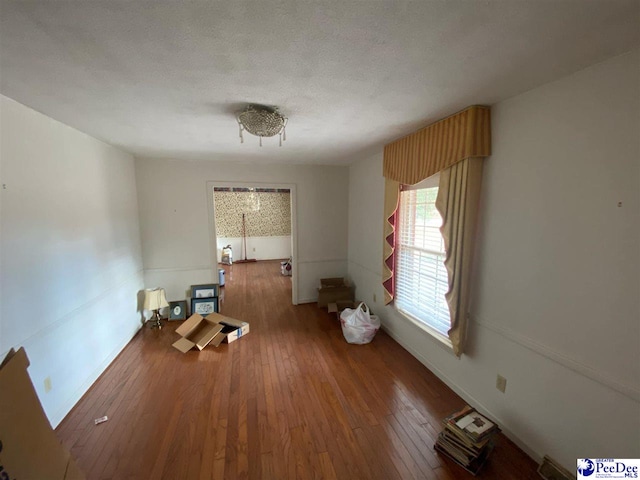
(165, 78)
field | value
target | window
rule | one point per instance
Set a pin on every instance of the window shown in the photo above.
(421, 277)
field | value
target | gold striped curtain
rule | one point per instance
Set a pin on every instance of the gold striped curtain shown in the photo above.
(411, 159)
(457, 202)
(430, 150)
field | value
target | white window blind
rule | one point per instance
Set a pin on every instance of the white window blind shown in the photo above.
(421, 277)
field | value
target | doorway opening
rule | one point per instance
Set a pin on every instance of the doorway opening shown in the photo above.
(256, 222)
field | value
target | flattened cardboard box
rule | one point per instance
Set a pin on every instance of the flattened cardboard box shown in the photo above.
(30, 448)
(198, 331)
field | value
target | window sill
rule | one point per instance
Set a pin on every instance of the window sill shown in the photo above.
(440, 339)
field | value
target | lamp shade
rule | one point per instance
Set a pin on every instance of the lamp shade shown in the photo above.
(154, 299)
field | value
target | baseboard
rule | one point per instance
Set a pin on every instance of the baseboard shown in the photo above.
(307, 300)
(466, 396)
(73, 399)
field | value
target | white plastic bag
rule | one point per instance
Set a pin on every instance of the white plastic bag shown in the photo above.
(358, 325)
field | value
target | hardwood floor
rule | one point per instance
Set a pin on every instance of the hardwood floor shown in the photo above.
(289, 400)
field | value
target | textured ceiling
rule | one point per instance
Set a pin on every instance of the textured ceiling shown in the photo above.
(165, 78)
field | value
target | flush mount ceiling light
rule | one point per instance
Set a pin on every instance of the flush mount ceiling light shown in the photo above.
(262, 121)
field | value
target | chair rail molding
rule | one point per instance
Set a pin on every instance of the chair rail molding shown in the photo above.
(631, 391)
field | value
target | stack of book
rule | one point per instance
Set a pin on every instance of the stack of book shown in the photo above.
(467, 438)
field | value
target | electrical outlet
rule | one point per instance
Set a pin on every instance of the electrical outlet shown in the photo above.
(254, 249)
(374, 298)
(47, 385)
(501, 383)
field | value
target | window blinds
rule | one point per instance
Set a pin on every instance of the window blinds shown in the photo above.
(421, 277)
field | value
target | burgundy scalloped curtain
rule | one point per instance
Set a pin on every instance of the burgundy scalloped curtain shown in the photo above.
(391, 201)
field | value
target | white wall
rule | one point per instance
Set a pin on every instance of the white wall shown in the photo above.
(176, 241)
(557, 294)
(71, 261)
(260, 248)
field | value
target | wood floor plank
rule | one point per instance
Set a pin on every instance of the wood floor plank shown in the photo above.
(379, 456)
(417, 453)
(328, 470)
(289, 400)
(220, 460)
(267, 469)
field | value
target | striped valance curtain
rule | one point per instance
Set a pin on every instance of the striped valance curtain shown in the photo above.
(430, 150)
(456, 146)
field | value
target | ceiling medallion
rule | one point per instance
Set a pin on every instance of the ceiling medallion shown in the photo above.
(262, 121)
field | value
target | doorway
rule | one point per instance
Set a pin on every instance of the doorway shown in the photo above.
(258, 220)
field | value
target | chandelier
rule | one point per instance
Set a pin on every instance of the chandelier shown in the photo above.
(262, 121)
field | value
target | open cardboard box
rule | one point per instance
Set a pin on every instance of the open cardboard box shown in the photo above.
(334, 290)
(338, 307)
(198, 331)
(29, 447)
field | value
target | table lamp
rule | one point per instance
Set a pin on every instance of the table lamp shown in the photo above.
(154, 300)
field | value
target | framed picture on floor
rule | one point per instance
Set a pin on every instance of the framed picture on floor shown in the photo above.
(178, 310)
(207, 290)
(204, 306)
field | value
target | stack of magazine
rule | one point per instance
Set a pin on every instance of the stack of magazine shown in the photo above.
(467, 438)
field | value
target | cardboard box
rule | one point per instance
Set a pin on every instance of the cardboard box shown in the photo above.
(333, 290)
(198, 331)
(233, 329)
(332, 282)
(29, 446)
(338, 307)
